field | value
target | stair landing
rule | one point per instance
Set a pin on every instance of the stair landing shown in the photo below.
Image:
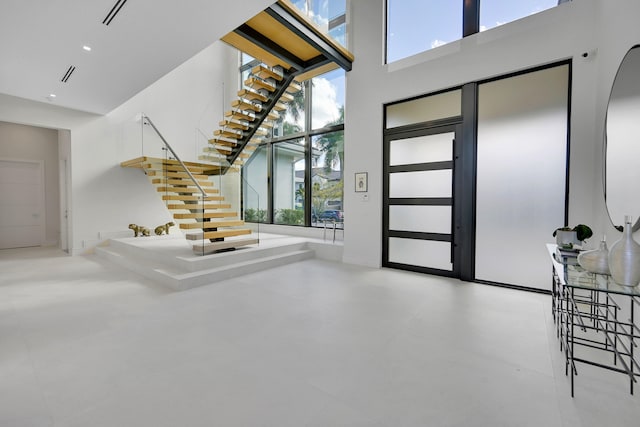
(170, 261)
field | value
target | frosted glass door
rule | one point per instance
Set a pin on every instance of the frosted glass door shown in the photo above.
(521, 175)
(419, 194)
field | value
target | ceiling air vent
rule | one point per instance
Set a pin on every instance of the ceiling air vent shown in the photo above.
(66, 76)
(114, 11)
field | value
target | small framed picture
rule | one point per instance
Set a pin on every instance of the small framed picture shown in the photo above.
(361, 182)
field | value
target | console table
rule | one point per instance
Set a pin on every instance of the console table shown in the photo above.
(593, 312)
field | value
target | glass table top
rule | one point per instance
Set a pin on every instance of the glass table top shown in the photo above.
(573, 275)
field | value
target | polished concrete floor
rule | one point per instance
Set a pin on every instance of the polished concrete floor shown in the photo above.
(315, 343)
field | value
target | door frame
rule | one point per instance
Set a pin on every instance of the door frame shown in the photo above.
(452, 124)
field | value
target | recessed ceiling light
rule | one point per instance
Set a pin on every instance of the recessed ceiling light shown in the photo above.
(52, 95)
(87, 48)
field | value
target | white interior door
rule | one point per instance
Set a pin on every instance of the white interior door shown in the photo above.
(21, 204)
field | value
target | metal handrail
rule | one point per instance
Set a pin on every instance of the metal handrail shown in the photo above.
(204, 193)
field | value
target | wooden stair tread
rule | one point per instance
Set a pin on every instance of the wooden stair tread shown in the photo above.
(273, 115)
(175, 174)
(265, 70)
(208, 225)
(139, 162)
(230, 133)
(286, 97)
(174, 181)
(280, 106)
(200, 215)
(251, 94)
(254, 82)
(190, 198)
(294, 87)
(191, 189)
(222, 161)
(199, 207)
(218, 234)
(173, 168)
(235, 124)
(247, 105)
(223, 140)
(133, 163)
(216, 148)
(241, 115)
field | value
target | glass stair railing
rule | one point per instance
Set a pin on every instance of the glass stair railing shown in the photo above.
(193, 193)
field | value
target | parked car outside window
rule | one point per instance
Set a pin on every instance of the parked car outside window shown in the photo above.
(331, 215)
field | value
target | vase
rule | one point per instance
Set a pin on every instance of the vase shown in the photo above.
(597, 260)
(624, 257)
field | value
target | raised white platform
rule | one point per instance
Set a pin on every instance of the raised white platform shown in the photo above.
(170, 260)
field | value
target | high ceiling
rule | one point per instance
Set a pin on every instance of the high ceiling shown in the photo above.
(40, 40)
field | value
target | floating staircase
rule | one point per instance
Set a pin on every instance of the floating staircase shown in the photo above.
(266, 91)
(293, 50)
(204, 218)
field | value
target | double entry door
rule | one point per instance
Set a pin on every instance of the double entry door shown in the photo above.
(420, 231)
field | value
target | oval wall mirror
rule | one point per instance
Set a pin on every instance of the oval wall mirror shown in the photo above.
(622, 139)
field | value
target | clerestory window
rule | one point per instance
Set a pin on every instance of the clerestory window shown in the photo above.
(415, 26)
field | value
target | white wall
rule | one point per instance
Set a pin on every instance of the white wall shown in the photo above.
(20, 142)
(64, 185)
(107, 197)
(556, 34)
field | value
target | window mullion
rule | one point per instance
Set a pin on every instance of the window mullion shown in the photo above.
(470, 17)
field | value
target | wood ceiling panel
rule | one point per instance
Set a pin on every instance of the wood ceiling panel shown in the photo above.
(250, 48)
(281, 35)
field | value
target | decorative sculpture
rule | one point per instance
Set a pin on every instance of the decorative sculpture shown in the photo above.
(163, 228)
(139, 230)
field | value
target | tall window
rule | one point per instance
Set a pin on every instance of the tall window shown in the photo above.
(295, 177)
(414, 26)
(288, 182)
(497, 12)
(328, 15)
(305, 151)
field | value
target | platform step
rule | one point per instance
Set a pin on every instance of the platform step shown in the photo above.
(212, 247)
